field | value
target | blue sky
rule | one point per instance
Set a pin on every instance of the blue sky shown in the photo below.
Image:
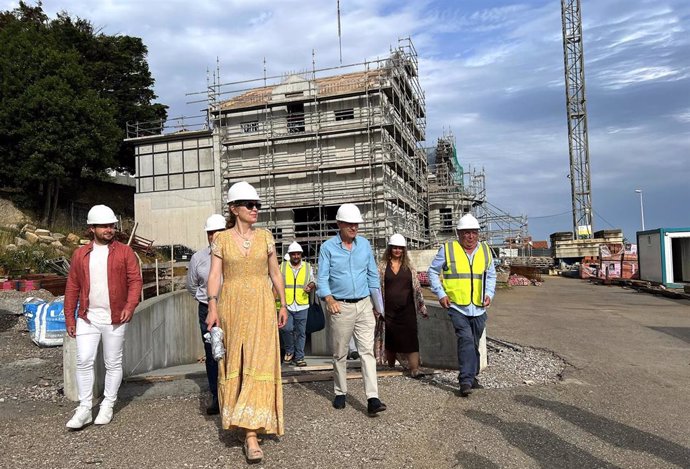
(492, 72)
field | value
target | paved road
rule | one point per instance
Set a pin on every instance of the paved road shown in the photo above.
(624, 402)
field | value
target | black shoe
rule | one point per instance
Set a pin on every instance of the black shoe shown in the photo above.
(465, 390)
(374, 406)
(353, 355)
(476, 385)
(214, 408)
(339, 401)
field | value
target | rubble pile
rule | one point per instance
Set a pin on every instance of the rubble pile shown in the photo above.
(31, 235)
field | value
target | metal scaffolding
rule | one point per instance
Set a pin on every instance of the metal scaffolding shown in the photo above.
(455, 191)
(311, 141)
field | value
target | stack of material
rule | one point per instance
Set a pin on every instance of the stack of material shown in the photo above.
(55, 284)
(423, 278)
(540, 262)
(618, 261)
(589, 267)
(516, 280)
(529, 272)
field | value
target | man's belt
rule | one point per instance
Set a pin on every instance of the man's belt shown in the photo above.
(349, 300)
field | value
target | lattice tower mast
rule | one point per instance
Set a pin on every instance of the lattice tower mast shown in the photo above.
(576, 109)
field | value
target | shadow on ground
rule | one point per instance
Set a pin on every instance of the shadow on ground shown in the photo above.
(545, 447)
(612, 432)
(474, 461)
(326, 392)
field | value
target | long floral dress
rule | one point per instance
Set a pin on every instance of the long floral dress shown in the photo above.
(250, 389)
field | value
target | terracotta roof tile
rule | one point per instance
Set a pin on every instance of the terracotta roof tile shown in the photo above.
(327, 86)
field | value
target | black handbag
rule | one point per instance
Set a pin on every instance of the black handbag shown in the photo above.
(315, 318)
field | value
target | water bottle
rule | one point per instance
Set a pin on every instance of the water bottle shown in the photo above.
(215, 338)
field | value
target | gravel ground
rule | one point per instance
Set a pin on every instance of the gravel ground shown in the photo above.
(172, 431)
(511, 366)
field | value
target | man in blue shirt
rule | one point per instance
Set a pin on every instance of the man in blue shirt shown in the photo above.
(346, 279)
(467, 289)
(197, 276)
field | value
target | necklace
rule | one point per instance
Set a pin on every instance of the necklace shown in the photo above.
(247, 242)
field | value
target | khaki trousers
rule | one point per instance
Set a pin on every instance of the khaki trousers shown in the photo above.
(354, 319)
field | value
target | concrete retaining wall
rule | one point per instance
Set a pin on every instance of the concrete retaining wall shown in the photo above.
(163, 332)
(421, 259)
(437, 341)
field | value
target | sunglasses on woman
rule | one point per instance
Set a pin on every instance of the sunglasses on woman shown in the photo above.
(250, 204)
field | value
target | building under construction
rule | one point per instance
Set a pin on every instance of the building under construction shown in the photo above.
(455, 191)
(309, 142)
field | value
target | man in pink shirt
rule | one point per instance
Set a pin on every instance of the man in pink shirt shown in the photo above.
(104, 281)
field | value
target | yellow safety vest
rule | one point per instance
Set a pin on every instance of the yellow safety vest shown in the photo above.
(465, 283)
(294, 286)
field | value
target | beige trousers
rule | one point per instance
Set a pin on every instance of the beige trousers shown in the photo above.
(354, 319)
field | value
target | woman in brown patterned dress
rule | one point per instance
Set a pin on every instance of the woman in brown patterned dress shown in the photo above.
(402, 300)
(250, 389)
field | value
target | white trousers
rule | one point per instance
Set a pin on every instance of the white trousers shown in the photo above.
(354, 320)
(89, 336)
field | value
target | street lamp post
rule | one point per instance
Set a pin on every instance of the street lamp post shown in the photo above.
(639, 191)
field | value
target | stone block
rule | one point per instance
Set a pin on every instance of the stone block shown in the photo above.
(84, 241)
(72, 238)
(30, 237)
(42, 232)
(56, 244)
(11, 247)
(57, 236)
(20, 241)
(28, 227)
(45, 239)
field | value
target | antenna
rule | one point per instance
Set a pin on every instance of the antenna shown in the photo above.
(340, 39)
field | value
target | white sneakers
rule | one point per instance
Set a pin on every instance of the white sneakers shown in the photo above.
(81, 417)
(105, 415)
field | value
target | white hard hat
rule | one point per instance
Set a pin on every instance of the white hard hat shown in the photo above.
(242, 191)
(294, 247)
(215, 223)
(349, 213)
(397, 240)
(467, 222)
(101, 215)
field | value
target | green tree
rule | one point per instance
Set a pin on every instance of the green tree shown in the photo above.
(66, 92)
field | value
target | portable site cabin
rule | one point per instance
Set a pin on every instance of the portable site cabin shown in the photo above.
(664, 256)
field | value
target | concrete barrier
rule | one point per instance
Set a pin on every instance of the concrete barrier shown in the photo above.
(437, 341)
(164, 332)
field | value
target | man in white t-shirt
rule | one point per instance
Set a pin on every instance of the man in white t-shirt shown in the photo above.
(105, 283)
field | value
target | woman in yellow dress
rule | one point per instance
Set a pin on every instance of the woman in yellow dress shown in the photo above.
(250, 389)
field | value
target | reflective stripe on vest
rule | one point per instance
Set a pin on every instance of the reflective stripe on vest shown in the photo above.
(294, 286)
(465, 283)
